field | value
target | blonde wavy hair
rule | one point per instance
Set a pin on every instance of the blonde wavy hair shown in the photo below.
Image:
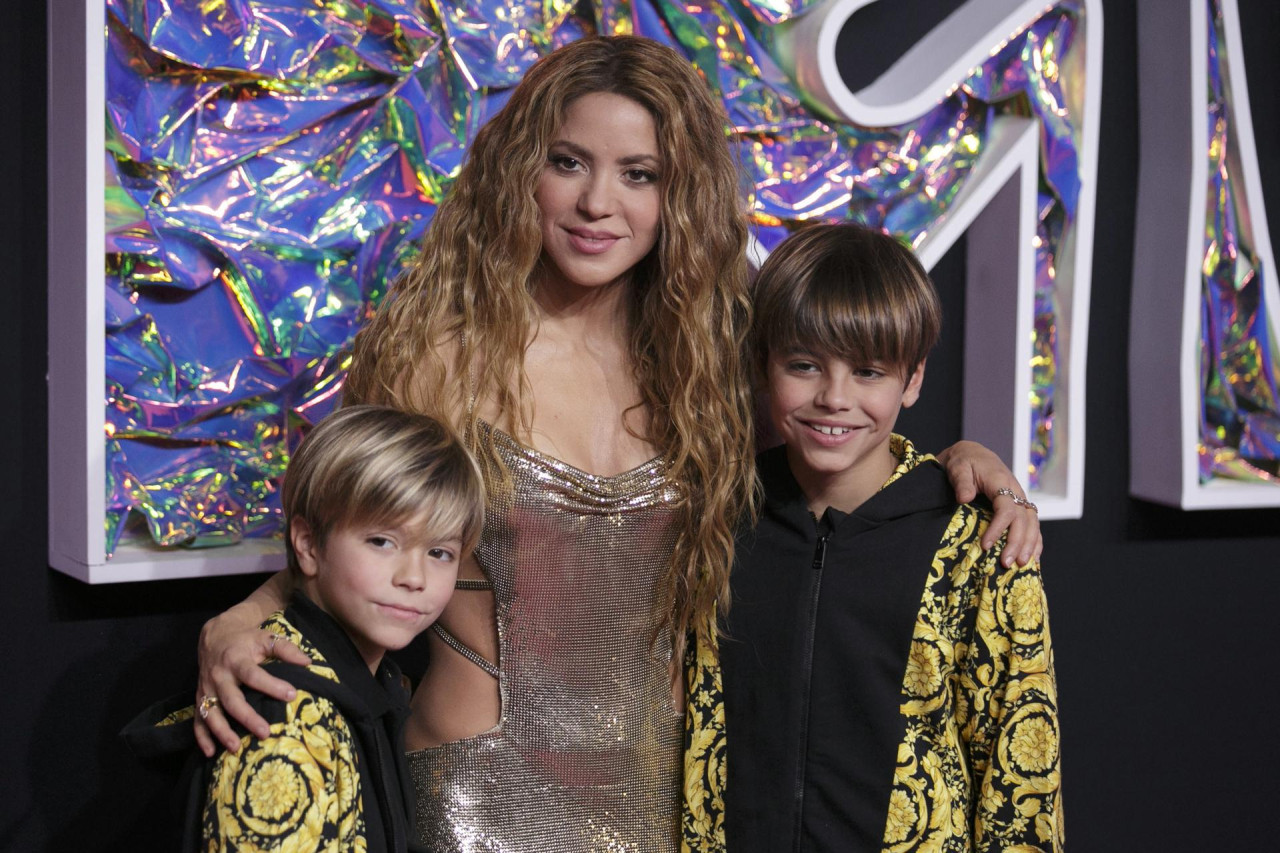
(454, 329)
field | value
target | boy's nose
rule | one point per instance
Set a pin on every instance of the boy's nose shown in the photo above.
(412, 574)
(832, 395)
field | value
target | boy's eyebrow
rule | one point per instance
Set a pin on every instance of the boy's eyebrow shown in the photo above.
(419, 534)
(404, 525)
(877, 363)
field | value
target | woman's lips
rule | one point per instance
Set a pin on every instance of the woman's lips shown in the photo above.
(591, 242)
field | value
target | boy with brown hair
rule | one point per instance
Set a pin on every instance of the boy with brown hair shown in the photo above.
(888, 682)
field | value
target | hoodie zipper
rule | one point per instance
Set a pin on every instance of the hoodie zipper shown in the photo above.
(819, 559)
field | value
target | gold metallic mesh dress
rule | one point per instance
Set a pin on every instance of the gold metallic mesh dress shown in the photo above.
(586, 753)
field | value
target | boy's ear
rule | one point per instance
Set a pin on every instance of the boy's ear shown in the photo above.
(304, 547)
(911, 392)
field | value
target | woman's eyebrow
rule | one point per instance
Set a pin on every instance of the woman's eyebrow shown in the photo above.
(647, 160)
(628, 160)
(572, 148)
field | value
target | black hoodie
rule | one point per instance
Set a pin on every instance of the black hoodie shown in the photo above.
(818, 636)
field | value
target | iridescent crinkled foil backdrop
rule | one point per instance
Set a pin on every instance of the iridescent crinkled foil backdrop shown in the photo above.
(272, 165)
(1239, 415)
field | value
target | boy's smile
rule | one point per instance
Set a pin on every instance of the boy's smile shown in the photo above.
(836, 419)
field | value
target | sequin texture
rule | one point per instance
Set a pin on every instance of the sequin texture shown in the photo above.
(577, 761)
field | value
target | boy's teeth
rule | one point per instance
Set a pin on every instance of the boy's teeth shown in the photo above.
(827, 430)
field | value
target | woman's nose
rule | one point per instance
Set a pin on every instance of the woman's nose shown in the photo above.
(596, 199)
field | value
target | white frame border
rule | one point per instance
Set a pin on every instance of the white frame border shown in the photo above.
(77, 355)
(1164, 337)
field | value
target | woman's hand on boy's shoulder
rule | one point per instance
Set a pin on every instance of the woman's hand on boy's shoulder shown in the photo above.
(974, 470)
(229, 661)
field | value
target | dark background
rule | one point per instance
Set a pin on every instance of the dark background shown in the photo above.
(1163, 620)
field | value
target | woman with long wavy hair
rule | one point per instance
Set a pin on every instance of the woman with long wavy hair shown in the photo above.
(578, 312)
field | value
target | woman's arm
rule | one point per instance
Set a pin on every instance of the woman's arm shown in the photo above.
(231, 647)
(973, 468)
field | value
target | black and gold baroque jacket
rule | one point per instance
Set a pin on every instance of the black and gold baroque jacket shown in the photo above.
(888, 685)
(702, 819)
(331, 774)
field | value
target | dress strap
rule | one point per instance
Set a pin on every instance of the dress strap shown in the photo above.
(473, 584)
(467, 652)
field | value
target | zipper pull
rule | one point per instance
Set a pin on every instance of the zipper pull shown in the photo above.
(819, 554)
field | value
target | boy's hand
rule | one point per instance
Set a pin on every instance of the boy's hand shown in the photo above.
(229, 658)
(974, 469)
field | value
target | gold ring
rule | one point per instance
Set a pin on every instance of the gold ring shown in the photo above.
(207, 702)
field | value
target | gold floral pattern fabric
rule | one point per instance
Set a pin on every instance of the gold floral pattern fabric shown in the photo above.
(978, 768)
(702, 821)
(298, 789)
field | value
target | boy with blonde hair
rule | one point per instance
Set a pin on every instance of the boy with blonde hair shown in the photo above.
(380, 508)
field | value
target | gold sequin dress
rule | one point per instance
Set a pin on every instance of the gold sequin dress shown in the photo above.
(587, 751)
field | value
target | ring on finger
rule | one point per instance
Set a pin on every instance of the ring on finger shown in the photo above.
(1018, 499)
(207, 703)
(271, 645)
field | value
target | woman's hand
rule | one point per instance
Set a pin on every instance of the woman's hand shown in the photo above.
(229, 658)
(973, 468)
(231, 647)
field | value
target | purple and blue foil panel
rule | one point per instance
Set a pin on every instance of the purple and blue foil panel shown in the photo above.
(272, 166)
(1240, 410)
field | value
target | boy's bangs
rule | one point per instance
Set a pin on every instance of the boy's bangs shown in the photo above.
(847, 292)
(446, 503)
(852, 324)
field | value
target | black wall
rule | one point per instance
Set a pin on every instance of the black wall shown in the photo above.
(1163, 620)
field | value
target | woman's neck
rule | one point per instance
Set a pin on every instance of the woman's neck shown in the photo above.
(583, 313)
(585, 406)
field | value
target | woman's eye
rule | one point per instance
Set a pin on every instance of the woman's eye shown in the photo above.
(802, 366)
(641, 176)
(565, 163)
(442, 554)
